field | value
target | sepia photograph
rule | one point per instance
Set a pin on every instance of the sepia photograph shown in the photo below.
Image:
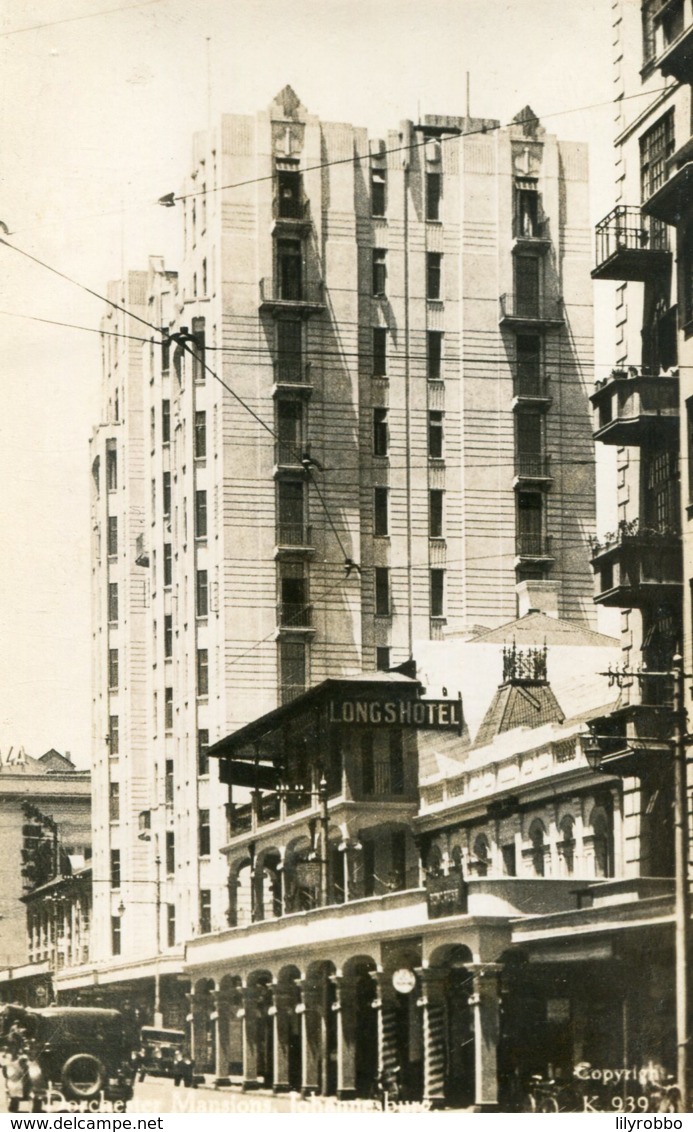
(346, 680)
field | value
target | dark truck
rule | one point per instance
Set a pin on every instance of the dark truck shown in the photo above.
(162, 1054)
(70, 1054)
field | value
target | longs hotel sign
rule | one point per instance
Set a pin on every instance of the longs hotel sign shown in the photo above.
(433, 714)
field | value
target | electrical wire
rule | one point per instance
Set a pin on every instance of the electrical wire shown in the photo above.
(74, 19)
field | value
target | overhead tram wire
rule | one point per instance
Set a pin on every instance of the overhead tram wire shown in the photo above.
(74, 19)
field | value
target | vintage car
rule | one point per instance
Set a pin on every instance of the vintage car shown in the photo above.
(162, 1054)
(74, 1054)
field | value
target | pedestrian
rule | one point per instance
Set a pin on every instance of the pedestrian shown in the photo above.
(17, 1082)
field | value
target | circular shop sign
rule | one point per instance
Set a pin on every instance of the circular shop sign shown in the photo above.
(404, 980)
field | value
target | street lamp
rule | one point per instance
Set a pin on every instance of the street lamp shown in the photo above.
(146, 835)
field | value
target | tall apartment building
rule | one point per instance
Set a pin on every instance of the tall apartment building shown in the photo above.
(644, 245)
(367, 426)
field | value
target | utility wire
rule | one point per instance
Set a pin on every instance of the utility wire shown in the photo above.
(74, 19)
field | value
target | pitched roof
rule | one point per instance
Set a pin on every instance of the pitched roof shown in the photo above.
(538, 628)
(519, 705)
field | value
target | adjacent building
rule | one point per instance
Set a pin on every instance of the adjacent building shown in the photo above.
(361, 426)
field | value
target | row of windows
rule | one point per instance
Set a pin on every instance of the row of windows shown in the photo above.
(433, 188)
(381, 512)
(381, 433)
(383, 596)
(434, 274)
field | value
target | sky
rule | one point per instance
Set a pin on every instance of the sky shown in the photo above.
(99, 101)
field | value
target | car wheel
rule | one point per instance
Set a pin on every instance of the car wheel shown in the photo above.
(83, 1076)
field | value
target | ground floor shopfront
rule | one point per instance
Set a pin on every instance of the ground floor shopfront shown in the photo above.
(462, 1010)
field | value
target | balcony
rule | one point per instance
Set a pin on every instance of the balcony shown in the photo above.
(531, 468)
(288, 455)
(304, 299)
(635, 739)
(294, 615)
(290, 216)
(294, 536)
(674, 40)
(294, 372)
(637, 567)
(633, 408)
(531, 547)
(630, 246)
(531, 386)
(518, 312)
(670, 203)
(531, 233)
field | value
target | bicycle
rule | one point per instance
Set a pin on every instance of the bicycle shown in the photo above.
(546, 1094)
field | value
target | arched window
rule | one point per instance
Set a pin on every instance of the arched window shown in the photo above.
(434, 861)
(601, 844)
(566, 845)
(481, 858)
(537, 837)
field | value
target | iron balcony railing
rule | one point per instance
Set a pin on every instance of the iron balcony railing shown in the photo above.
(530, 545)
(530, 308)
(290, 208)
(531, 466)
(627, 232)
(288, 453)
(291, 370)
(296, 291)
(530, 383)
(294, 615)
(294, 534)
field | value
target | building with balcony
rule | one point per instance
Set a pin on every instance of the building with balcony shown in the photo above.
(363, 425)
(45, 805)
(500, 926)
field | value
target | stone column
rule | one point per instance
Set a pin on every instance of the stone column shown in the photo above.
(345, 1008)
(250, 1007)
(283, 1004)
(223, 1005)
(485, 1002)
(190, 1022)
(310, 1009)
(432, 1003)
(387, 1023)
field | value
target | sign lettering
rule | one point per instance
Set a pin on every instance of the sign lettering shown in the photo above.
(432, 714)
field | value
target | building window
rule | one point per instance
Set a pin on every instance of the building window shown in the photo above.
(202, 672)
(382, 762)
(530, 519)
(289, 351)
(168, 636)
(290, 193)
(656, 147)
(165, 422)
(202, 749)
(165, 351)
(205, 911)
(380, 432)
(201, 594)
(435, 513)
(168, 782)
(528, 377)
(115, 868)
(289, 432)
(168, 564)
(114, 801)
(527, 219)
(113, 735)
(171, 925)
(168, 709)
(198, 350)
(379, 351)
(382, 591)
(203, 836)
(527, 286)
(115, 935)
(509, 855)
(292, 669)
(152, 427)
(289, 270)
(437, 593)
(200, 435)
(166, 493)
(112, 536)
(529, 443)
(111, 469)
(380, 511)
(434, 355)
(649, 38)
(434, 271)
(112, 669)
(113, 602)
(382, 658)
(294, 610)
(290, 512)
(537, 839)
(435, 435)
(379, 271)
(200, 514)
(170, 852)
(566, 845)
(378, 191)
(434, 193)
